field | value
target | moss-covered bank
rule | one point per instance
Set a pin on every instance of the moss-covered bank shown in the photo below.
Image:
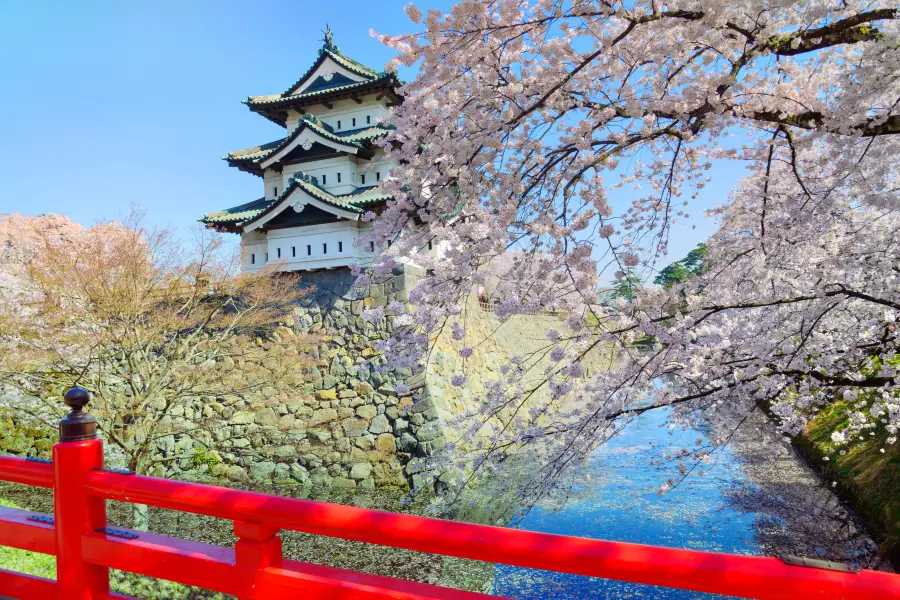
(866, 477)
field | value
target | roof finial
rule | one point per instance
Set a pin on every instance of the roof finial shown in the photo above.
(329, 38)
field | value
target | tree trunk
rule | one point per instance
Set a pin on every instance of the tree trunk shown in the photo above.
(141, 514)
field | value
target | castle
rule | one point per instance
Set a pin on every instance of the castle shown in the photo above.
(356, 422)
(322, 176)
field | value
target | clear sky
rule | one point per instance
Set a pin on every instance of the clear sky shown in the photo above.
(104, 104)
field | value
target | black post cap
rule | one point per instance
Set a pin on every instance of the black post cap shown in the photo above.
(78, 425)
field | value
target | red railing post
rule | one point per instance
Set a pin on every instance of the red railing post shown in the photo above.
(257, 547)
(76, 512)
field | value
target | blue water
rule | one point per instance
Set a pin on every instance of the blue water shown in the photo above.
(624, 505)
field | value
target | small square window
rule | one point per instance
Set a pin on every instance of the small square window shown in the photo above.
(279, 253)
(354, 121)
(324, 248)
(339, 177)
(340, 246)
(293, 250)
(363, 178)
(368, 119)
(252, 259)
(308, 250)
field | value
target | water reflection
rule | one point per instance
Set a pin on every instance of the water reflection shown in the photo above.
(739, 505)
(797, 513)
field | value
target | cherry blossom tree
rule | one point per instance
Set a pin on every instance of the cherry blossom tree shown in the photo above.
(524, 119)
(157, 328)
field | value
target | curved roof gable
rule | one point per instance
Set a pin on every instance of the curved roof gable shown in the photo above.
(310, 131)
(258, 158)
(350, 206)
(332, 69)
(304, 190)
(325, 70)
(333, 76)
(231, 218)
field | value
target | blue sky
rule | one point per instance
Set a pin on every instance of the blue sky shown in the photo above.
(105, 104)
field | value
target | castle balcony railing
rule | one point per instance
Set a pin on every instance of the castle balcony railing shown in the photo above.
(86, 548)
(490, 306)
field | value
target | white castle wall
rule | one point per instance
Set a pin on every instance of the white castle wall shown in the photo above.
(345, 111)
(330, 245)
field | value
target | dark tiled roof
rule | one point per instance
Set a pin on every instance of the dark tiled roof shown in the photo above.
(249, 158)
(279, 99)
(345, 61)
(238, 216)
(355, 201)
(274, 106)
(256, 152)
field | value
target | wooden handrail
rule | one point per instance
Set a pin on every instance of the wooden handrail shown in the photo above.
(86, 548)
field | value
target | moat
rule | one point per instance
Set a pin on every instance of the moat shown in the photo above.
(752, 499)
(747, 501)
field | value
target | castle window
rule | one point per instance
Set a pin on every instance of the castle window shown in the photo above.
(252, 259)
(340, 246)
(429, 244)
(279, 253)
(390, 242)
(368, 119)
(324, 180)
(377, 176)
(267, 257)
(293, 250)
(308, 250)
(371, 246)
(339, 177)
(339, 125)
(324, 248)
(354, 121)
(275, 192)
(363, 178)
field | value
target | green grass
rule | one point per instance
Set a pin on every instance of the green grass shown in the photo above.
(42, 565)
(23, 561)
(868, 478)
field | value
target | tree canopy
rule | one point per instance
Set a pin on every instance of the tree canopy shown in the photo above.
(680, 270)
(148, 325)
(527, 117)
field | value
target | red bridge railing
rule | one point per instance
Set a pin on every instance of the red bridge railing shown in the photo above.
(86, 548)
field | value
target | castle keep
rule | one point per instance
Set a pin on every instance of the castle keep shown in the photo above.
(322, 176)
(346, 425)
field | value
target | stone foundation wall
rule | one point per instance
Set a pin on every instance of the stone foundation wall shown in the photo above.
(341, 424)
(493, 343)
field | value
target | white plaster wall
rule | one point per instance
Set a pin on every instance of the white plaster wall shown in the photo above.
(271, 180)
(372, 170)
(253, 254)
(345, 111)
(293, 244)
(345, 165)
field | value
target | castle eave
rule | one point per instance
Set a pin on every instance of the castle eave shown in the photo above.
(275, 107)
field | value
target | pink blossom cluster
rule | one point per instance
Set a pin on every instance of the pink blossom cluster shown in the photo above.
(526, 116)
